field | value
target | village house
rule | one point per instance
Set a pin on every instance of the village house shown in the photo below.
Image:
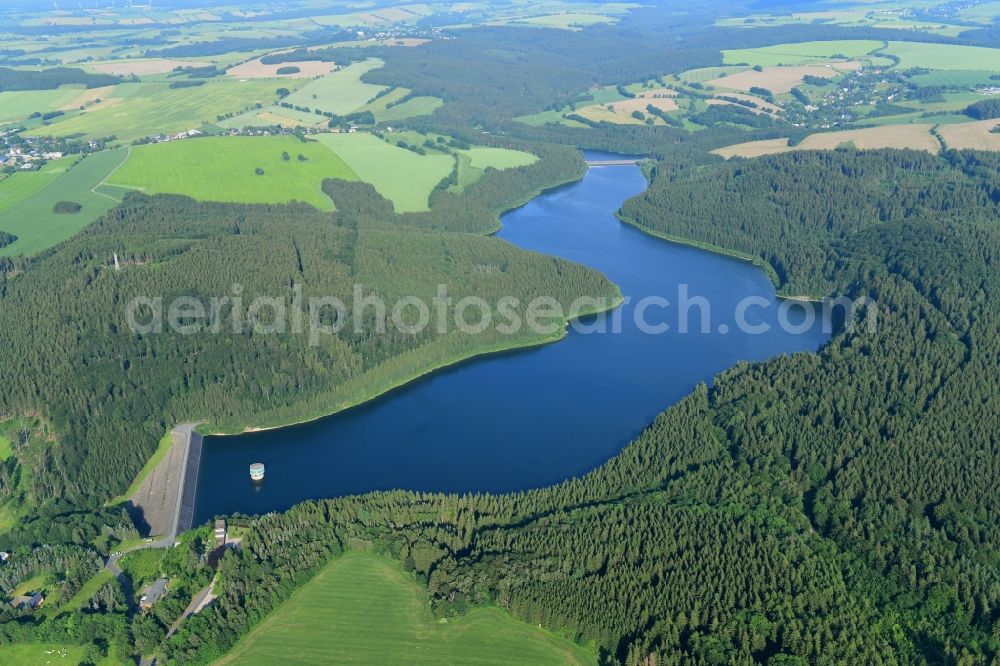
(152, 593)
(32, 601)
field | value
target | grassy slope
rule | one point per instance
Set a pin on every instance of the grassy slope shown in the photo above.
(362, 609)
(147, 109)
(341, 92)
(77, 601)
(400, 175)
(32, 219)
(222, 169)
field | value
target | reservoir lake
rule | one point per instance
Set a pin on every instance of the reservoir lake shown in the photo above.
(534, 417)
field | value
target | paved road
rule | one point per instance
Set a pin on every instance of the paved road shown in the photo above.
(200, 599)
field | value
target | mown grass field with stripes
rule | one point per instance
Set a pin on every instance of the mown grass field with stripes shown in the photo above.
(362, 609)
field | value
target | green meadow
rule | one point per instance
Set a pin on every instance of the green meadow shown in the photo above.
(400, 175)
(363, 609)
(341, 92)
(136, 110)
(415, 106)
(803, 52)
(47, 654)
(22, 184)
(223, 169)
(945, 56)
(955, 77)
(34, 223)
(482, 157)
(703, 74)
(19, 104)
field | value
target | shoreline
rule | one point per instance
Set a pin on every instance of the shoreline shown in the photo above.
(451, 362)
(765, 267)
(457, 360)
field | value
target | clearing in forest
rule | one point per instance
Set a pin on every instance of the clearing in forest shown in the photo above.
(398, 174)
(363, 605)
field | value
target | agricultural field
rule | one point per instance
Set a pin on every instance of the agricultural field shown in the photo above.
(916, 136)
(341, 93)
(143, 66)
(363, 605)
(945, 56)
(858, 16)
(19, 104)
(255, 69)
(32, 218)
(484, 157)
(411, 108)
(782, 79)
(223, 169)
(978, 135)
(472, 163)
(703, 74)
(400, 175)
(137, 110)
(23, 184)
(801, 53)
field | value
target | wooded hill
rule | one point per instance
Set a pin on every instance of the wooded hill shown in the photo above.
(109, 393)
(831, 507)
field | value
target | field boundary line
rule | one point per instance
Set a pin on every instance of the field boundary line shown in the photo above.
(128, 154)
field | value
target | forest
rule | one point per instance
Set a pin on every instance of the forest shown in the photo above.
(135, 386)
(837, 507)
(48, 79)
(810, 509)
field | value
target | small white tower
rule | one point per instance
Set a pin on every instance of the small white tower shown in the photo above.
(117, 265)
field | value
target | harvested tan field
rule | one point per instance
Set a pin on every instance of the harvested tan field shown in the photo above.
(974, 135)
(88, 96)
(914, 136)
(599, 113)
(140, 67)
(773, 108)
(782, 79)
(627, 106)
(754, 148)
(255, 69)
